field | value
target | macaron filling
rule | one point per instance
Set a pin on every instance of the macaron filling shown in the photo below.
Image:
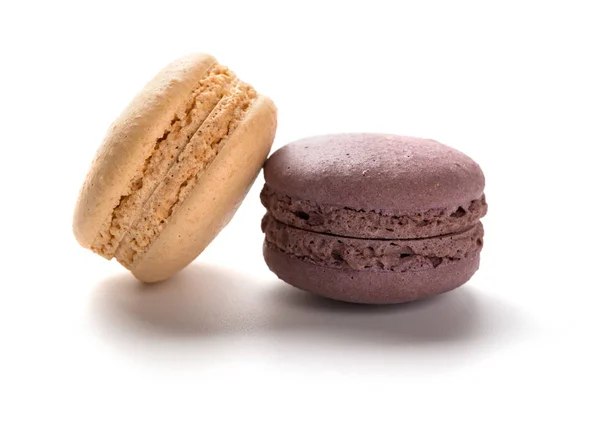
(398, 255)
(214, 85)
(187, 168)
(378, 224)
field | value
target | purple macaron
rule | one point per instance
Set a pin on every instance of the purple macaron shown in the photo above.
(372, 218)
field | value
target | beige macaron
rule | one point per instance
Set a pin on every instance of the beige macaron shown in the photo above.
(174, 167)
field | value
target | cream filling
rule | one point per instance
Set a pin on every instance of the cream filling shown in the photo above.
(193, 160)
(211, 89)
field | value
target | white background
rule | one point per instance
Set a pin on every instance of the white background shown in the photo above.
(513, 84)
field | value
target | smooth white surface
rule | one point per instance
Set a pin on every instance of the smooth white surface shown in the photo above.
(514, 85)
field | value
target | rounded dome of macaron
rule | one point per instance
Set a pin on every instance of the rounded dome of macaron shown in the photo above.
(387, 173)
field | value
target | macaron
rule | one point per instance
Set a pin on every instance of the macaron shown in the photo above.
(174, 167)
(372, 218)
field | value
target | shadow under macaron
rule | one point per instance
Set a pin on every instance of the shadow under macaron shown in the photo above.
(456, 317)
(205, 302)
(199, 302)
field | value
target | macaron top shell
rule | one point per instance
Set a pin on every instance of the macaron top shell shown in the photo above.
(385, 173)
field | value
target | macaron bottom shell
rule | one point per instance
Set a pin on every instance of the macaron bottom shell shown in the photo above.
(369, 286)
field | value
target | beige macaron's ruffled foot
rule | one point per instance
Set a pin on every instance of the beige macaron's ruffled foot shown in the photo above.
(174, 167)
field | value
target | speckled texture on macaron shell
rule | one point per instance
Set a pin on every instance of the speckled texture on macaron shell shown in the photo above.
(373, 218)
(375, 172)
